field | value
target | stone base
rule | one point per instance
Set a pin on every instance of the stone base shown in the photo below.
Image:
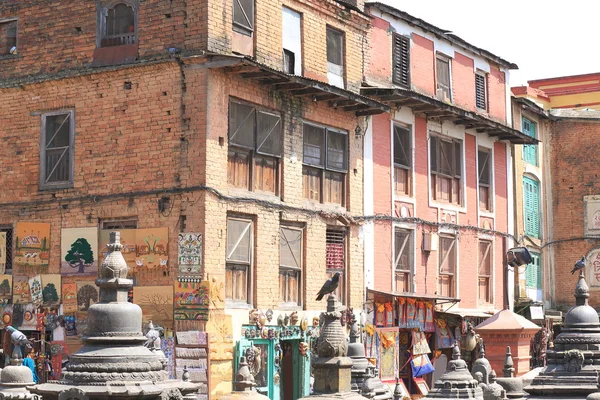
(569, 384)
(332, 375)
(335, 396)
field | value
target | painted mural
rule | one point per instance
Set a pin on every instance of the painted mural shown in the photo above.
(190, 254)
(151, 263)
(192, 300)
(79, 251)
(21, 292)
(35, 288)
(69, 297)
(156, 303)
(87, 294)
(32, 248)
(51, 289)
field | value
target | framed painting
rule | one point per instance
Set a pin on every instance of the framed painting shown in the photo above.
(156, 303)
(79, 251)
(32, 248)
(421, 386)
(190, 253)
(51, 289)
(387, 339)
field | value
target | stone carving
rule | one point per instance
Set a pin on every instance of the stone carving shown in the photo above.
(114, 265)
(171, 394)
(294, 318)
(574, 360)
(72, 394)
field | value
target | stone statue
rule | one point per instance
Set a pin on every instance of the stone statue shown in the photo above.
(112, 266)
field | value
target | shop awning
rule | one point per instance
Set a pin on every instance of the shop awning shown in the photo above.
(468, 312)
(373, 294)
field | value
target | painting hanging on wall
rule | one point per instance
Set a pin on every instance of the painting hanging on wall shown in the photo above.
(156, 303)
(190, 254)
(151, 262)
(127, 241)
(3, 252)
(51, 289)
(192, 300)
(79, 251)
(32, 248)
(69, 297)
(21, 292)
(6, 289)
(35, 288)
(87, 294)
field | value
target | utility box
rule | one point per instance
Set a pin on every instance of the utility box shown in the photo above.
(430, 241)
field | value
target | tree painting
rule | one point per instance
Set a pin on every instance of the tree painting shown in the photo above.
(80, 255)
(162, 304)
(50, 294)
(5, 288)
(86, 296)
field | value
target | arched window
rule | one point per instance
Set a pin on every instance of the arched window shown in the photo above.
(118, 24)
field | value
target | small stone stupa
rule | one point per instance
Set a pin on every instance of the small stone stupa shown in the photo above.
(510, 383)
(574, 363)
(15, 378)
(244, 385)
(457, 382)
(113, 362)
(332, 368)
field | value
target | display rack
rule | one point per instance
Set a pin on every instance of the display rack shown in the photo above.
(192, 352)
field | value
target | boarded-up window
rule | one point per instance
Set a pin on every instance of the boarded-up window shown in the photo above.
(530, 150)
(290, 265)
(485, 272)
(402, 160)
(254, 148)
(484, 169)
(335, 258)
(443, 79)
(325, 160)
(531, 205)
(118, 25)
(58, 131)
(481, 91)
(238, 261)
(243, 16)
(335, 57)
(403, 259)
(445, 166)
(8, 37)
(401, 60)
(447, 266)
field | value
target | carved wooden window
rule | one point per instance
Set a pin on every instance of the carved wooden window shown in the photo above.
(8, 37)
(402, 160)
(325, 162)
(484, 170)
(118, 23)
(335, 258)
(56, 158)
(446, 169)
(447, 266)
(243, 16)
(254, 148)
(239, 258)
(484, 284)
(291, 263)
(403, 259)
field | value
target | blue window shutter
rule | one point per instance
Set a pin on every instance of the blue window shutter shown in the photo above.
(533, 274)
(529, 151)
(531, 207)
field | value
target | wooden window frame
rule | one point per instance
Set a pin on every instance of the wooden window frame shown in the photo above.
(286, 269)
(102, 26)
(486, 189)
(338, 70)
(323, 171)
(483, 276)
(454, 177)
(481, 99)
(526, 208)
(452, 276)
(246, 28)
(332, 236)
(69, 152)
(402, 168)
(402, 247)
(233, 265)
(439, 86)
(9, 230)
(401, 60)
(5, 25)
(253, 152)
(530, 151)
(119, 223)
(539, 279)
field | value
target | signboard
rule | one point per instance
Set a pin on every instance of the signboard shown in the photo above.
(591, 218)
(592, 267)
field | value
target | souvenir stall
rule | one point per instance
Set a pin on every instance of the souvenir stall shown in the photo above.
(401, 338)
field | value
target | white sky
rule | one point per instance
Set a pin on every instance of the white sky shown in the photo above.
(544, 38)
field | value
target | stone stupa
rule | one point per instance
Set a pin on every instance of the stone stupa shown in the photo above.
(457, 382)
(113, 362)
(574, 363)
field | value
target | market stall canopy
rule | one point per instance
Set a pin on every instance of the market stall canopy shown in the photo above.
(469, 312)
(377, 294)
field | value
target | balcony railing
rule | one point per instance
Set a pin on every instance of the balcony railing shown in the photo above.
(118, 40)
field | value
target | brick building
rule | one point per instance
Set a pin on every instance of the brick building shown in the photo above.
(195, 116)
(438, 176)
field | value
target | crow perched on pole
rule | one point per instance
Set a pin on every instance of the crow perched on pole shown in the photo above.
(329, 286)
(579, 265)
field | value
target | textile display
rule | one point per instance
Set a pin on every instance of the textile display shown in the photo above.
(79, 251)
(21, 292)
(167, 345)
(369, 340)
(420, 345)
(30, 317)
(403, 353)
(35, 289)
(190, 253)
(443, 334)
(401, 311)
(7, 313)
(6, 288)
(71, 325)
(192, 300)
(2, 252)
(429, 325)
(156, 303)
(32, 248)
(87, 294)
(421, 365)
(69, 297)
(420, 313)
(51, 289)
(387, 339)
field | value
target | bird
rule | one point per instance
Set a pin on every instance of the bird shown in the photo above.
(153, 336)
(19, 339)
(329, 286)
(579, 265)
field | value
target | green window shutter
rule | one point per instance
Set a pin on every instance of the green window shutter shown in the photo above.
(533, 274)
(531, 194)
(529, 151)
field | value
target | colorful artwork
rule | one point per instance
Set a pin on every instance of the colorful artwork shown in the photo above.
(32, 248)
(151, 261)
(51, 289)
(7, 314)
(192, 300)
(71, 325)
(2, 252)
(6, 289)
(87, 294)
(69, 297)
(167, 345)
(190, 253)
(79, 251)
(443, 334)
(388, 353)
(21, 292)
(35, 288)
(403, 352)
(29, 317)
(420, 345)
(429, 325)
(156, 303)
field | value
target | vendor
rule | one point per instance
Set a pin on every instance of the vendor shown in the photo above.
(28, 362)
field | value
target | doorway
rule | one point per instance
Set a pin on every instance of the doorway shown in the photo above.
(290, 372)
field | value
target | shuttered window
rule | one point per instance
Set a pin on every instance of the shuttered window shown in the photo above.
(533, 273)
(447, 266)
(403, 259)
(238, 262)
(335, 258)
(481, 91)
(484, 167)
(401, 60)
(290, 265)
(485, 272)
(446, 169)
(529, 150)
(531, 194)
(402, 160)
(56, 158)
(243, 16)
(254, 148)
(442, 69)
